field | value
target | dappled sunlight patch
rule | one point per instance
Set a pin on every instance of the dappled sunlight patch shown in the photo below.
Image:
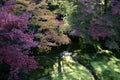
(72, 70)
(107, 70)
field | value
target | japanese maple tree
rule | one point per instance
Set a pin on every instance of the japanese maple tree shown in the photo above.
(15, 41)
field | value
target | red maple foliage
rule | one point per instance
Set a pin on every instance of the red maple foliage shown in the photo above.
(15, 41)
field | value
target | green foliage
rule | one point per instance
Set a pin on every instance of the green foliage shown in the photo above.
(106, 67)
(79, 22)
(72, 70)
(94, 53)
(107, 70)
(66, 8)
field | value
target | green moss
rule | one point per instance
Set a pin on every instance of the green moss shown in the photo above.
(107, 70)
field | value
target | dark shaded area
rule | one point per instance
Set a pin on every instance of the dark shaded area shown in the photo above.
(4, 71)
(52, 7)
(2, 2)
(59, 17)
(37, 1)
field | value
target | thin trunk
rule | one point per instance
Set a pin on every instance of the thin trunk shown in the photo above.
(105, 6)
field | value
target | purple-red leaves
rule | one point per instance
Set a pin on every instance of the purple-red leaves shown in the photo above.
(15, 41)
